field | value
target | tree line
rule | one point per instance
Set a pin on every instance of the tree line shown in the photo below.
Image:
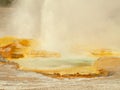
(6, 2)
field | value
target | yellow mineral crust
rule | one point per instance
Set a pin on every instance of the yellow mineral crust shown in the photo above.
(14, 48)
(6, 41)
(104, 52)
(20, 50)
(111, 64)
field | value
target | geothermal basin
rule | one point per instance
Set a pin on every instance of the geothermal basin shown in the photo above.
(77, 48)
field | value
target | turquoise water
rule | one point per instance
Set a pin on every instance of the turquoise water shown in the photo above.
(43, 63)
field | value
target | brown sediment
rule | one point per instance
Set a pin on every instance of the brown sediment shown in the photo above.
(71, 76)
(78, 75)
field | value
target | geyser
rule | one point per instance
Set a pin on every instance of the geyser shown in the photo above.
(68, 24)
(74, 28)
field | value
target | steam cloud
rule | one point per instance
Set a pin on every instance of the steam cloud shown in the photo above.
(63, 24)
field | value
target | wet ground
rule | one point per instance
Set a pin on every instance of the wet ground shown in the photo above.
(12, 79)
